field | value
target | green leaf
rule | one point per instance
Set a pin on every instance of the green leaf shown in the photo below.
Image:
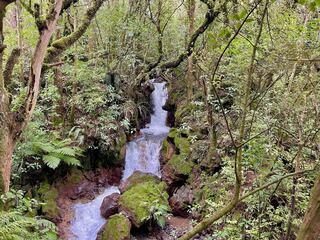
(51, 161)
(71, 161)
(46, 147)
(243, 14)
(161, 220)
(66, 151)
(302, 2)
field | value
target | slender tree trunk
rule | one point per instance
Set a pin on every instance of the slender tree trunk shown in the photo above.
(310, 228)
(189, 77)
(229, 206)
(20, 39)
(6, 151)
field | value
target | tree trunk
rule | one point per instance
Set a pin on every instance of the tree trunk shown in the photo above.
(189, 77)
(310, 228)
(6, 150)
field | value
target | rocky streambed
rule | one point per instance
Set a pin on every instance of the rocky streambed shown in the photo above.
(133, 203)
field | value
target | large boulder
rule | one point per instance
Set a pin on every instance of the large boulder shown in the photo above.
(136, 178)
(141, 196)
(110, 205)
(117, 228)
(178, 167)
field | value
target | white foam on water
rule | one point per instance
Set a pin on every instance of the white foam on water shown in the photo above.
(142, 154)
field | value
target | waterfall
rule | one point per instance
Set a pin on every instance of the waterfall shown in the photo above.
(142, 154)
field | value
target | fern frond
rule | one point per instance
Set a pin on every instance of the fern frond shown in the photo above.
(71, 161)
(51, 161)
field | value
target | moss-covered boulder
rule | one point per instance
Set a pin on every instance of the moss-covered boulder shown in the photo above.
(179, 165)
(139, 199)
(117, 228)
(48, 195)
(136, 178)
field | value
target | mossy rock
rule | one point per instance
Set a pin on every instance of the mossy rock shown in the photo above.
(180, 162)
(117, 228)
(136, 178)
(49, 194)
(138, 200)
(182, 143)
(181, 165)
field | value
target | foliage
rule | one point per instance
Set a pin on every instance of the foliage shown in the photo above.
(55, 152)
(159, 213)
(14, 226)
(17, 223)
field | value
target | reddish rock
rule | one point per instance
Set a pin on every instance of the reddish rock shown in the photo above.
(110, 205)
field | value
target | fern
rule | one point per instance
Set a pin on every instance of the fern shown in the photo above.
(15, 226)
(51, 161)
(56, 151)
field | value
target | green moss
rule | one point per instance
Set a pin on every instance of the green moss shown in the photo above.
(137, 178)
(117, 228)
(49, 195)
(180, 164)
(140, 198)
(173, 133)
(164, 149)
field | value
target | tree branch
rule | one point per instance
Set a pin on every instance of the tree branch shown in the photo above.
(225, 210)
(11, 62)
(36, 67)
(211, 15)
(60, 45)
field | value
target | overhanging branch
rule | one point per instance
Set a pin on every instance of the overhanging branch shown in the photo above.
(60, 45)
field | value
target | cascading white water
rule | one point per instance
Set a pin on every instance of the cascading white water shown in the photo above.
(142, 154)
(87, 219)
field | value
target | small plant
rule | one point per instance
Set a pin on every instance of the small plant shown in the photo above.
(159, 213)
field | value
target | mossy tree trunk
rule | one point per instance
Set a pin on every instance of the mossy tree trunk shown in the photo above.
(6, 140)
(6, 151)
(13, 123)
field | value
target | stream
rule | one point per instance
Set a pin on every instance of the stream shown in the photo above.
(142, 154)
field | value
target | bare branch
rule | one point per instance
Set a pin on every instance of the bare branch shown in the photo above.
(11, 62)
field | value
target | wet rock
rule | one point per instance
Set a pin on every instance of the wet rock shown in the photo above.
(170, 108)
(181, 200)
(117, 228)
(168, 150)
(140, 197)
(84, 190)
(110, 205)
